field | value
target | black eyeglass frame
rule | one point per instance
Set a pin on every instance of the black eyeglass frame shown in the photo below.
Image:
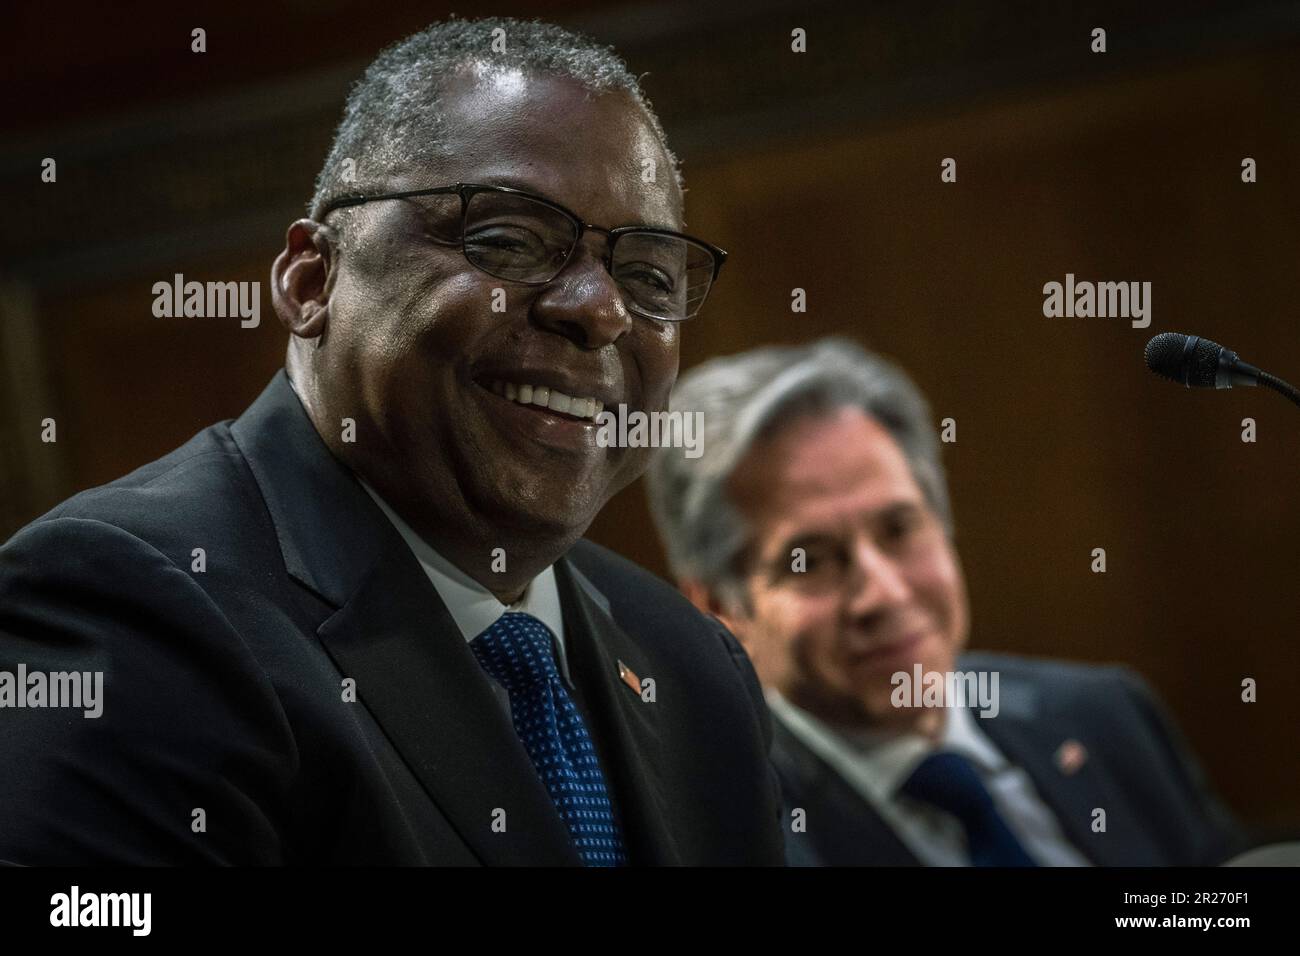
(466, 191)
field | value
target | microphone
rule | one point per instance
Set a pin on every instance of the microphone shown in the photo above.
(1199, 363)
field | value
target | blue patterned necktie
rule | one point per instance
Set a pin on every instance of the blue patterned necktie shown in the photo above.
(516, 651)
(950, 782)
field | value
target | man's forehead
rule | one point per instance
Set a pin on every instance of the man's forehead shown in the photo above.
(821, 455)
(594, 152)
(825, 471)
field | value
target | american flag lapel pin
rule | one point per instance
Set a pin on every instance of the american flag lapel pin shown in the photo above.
(627, 677)
(1070, 756)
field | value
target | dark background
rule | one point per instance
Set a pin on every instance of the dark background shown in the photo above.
(818, 171)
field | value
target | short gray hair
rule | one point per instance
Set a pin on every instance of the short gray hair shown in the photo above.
(749, 396)
(394, 114)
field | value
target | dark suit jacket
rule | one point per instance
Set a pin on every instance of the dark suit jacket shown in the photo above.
(223, 688)
(1159, 808)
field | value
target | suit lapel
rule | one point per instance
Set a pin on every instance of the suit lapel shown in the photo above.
(629, 726)
(1070, 798)
(1032, 739)
(414, 671)
(416, 674)
(843, 827)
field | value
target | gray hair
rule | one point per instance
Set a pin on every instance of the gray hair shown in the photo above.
(394, 114)
(749, 396)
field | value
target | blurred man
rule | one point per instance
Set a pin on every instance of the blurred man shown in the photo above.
(817, 526)
(358, 625)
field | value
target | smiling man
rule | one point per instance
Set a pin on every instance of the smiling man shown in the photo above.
(818, 527)
(359, 624)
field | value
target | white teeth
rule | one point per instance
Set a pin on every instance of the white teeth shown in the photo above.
(545, 397)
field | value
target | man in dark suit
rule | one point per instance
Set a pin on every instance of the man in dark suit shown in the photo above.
(817, 526)
(358, 624)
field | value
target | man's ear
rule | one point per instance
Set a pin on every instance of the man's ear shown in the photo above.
(300, 279)
(706, 600)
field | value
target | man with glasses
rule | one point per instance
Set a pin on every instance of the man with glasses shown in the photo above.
(819, 527)
(398, 648)
(516, 235)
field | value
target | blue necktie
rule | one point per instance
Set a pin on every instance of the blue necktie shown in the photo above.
(950, 782)
(516, 651)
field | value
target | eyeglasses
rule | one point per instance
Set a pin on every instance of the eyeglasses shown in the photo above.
(521, 237)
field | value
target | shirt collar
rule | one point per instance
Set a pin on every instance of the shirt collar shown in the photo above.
(472, 606)
(962, 735)
(884, 760)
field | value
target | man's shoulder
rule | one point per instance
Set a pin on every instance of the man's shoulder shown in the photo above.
(190, 496)
(1045, 686)
(1048, 671)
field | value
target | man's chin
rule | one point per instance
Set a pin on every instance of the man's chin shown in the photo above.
(879, 710)
(540, 513)
(888, 717)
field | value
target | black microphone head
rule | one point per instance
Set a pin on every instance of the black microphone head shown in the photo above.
(1186, 359)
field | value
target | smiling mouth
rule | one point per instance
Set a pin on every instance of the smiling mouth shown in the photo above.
(546, 400)
(887, 652)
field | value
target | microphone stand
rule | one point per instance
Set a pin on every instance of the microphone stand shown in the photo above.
(1279, 386)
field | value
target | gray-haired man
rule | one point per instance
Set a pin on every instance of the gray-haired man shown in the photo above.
(817, 526)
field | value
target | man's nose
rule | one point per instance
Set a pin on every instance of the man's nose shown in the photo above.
(877, 581)
(584, 303)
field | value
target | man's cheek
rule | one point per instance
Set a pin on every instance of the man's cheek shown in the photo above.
(932, 577)
(813, 639)
(775, 635)
(878, 698)
(770, 654)
(788, 615)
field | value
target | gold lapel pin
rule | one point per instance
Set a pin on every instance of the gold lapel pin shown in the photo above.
(627, 677)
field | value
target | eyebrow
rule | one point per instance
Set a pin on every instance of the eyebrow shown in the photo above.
(806, 540)
(799, 539)
(831, 533)
(511, 183)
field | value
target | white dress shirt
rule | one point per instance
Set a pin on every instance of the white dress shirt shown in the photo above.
(876, 764)
(472, 606)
